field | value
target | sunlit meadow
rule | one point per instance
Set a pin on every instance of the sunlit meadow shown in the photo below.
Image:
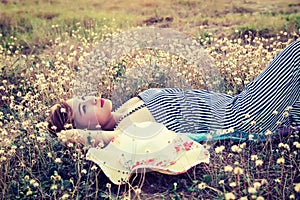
(35, 165)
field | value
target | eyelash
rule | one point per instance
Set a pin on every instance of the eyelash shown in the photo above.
(84, 108)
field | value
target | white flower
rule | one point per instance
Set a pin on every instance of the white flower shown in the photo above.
(275, 112)
(259, 163)
(219, 149)
(268, 132)
(230, 196)
(280, 160)
(228, 168)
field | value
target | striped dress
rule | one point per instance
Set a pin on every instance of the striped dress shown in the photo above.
(263, 105)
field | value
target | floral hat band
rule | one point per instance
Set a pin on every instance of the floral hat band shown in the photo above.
(150, 146)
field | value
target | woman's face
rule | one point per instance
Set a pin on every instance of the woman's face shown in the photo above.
(90, 111)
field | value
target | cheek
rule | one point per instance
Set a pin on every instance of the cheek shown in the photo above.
(91, 116)
(103, 116)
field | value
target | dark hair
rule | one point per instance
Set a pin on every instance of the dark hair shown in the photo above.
(61, 115)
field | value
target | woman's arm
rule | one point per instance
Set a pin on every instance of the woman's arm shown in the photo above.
(92, 138)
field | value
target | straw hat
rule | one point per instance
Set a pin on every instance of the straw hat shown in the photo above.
(147, 145)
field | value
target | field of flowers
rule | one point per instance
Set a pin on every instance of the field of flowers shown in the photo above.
(35, 165)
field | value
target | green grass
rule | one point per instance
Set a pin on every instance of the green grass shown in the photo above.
(30, 20)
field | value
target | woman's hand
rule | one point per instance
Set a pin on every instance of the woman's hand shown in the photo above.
(71, 136)
(93, 138)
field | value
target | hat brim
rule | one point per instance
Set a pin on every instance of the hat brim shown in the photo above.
(119, 174)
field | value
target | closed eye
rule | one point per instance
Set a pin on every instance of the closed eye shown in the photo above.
(84, 109)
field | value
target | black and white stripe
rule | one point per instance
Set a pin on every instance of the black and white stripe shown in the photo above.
(199, 111)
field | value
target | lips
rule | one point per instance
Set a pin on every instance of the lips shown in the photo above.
(101, 102)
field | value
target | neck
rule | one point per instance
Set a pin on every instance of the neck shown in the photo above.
(111, 122)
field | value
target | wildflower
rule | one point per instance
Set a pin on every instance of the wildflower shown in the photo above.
(297, 187)
(29, 192)
(231, 130)
(256, 185)
(275, 112)
(268, 132)
(56, 176)
(280, 161)
(278, 123)
(232, 184)
(234, 148)
(201, 185)
(209, 137)
(259, 163)
(108, 185)
(289, 108)
(67, 126)
(296, 144)
(65, 196)
(247, 116)
(228, 168)
(53, 128)
(53, 187)
(285, 114)
(138, 191)
(219, 149)
(244, 198)
(83, 171)
(70, 144)
(286, 146)
(40, 139)
(34, 183)
(292, 196)
(94, 167)
(243, 145)
(230, 196)
(221, 182)
(252, 190)
(31, 181)
(58, 160)
(280, 145)
(238, 171)
(264, 181)
(260, 198)
(250, 136)
(254, 157)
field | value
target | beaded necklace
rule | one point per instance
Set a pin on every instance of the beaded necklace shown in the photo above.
(129, 113)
